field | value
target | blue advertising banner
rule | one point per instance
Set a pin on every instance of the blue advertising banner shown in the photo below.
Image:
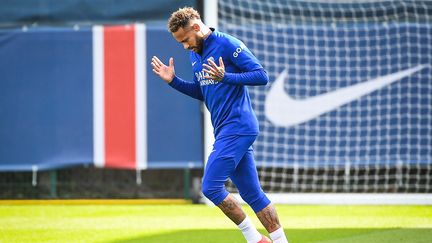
(71, 96)
(342, 94)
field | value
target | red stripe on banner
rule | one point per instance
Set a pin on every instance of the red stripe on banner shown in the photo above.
(119, 61)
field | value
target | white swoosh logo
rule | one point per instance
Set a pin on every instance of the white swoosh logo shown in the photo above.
(282, 110)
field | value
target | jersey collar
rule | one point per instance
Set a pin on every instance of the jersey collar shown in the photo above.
(209, 39)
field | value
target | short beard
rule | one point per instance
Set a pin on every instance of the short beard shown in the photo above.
(200, 44)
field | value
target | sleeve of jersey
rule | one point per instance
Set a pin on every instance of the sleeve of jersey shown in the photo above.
(257, 77)
(252, 73)
(191, 89)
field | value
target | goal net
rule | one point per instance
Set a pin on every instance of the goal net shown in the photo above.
(349, 103)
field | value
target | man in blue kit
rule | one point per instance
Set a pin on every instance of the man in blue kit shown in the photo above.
(223, 66)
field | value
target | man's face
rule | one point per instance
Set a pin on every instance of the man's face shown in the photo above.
(190, 37)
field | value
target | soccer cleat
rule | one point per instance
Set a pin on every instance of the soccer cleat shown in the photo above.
(264, 239)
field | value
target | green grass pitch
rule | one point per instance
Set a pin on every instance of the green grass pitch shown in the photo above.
(203, 224)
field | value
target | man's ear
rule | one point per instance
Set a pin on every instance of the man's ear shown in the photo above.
(196, 27)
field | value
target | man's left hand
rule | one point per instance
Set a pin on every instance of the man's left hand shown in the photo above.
(214, 71)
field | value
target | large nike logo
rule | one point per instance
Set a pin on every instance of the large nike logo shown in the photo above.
(282, 110)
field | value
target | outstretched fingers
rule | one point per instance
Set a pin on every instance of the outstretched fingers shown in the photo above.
(156, 71)
(221, 64)
(156, 64)
(165, 72)
(213, 64)
(156, 60)
(210, 72)
(208, 69)
(213, 70)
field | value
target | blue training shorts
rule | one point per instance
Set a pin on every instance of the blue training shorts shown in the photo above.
(232, 157)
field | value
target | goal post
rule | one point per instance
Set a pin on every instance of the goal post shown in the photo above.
(348, 107)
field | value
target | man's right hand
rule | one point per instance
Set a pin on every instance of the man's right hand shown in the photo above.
(165, 72)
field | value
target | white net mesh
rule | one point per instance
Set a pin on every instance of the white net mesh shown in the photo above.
(354, 109)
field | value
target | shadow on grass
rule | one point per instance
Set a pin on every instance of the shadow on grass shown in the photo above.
(331, 235)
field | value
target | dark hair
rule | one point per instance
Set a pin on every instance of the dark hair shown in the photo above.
(180, 18)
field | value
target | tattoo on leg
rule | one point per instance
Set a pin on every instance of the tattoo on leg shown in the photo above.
(269, 218)
(231, 208)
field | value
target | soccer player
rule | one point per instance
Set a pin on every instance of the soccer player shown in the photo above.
(223, 66)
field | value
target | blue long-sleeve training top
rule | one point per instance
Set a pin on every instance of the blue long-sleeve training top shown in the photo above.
(228, 100)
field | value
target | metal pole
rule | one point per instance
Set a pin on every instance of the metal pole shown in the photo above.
(186, 183)
(53, 183)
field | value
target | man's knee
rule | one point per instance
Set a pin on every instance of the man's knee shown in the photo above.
(256, 199)
(214, 192)
(207, 190)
